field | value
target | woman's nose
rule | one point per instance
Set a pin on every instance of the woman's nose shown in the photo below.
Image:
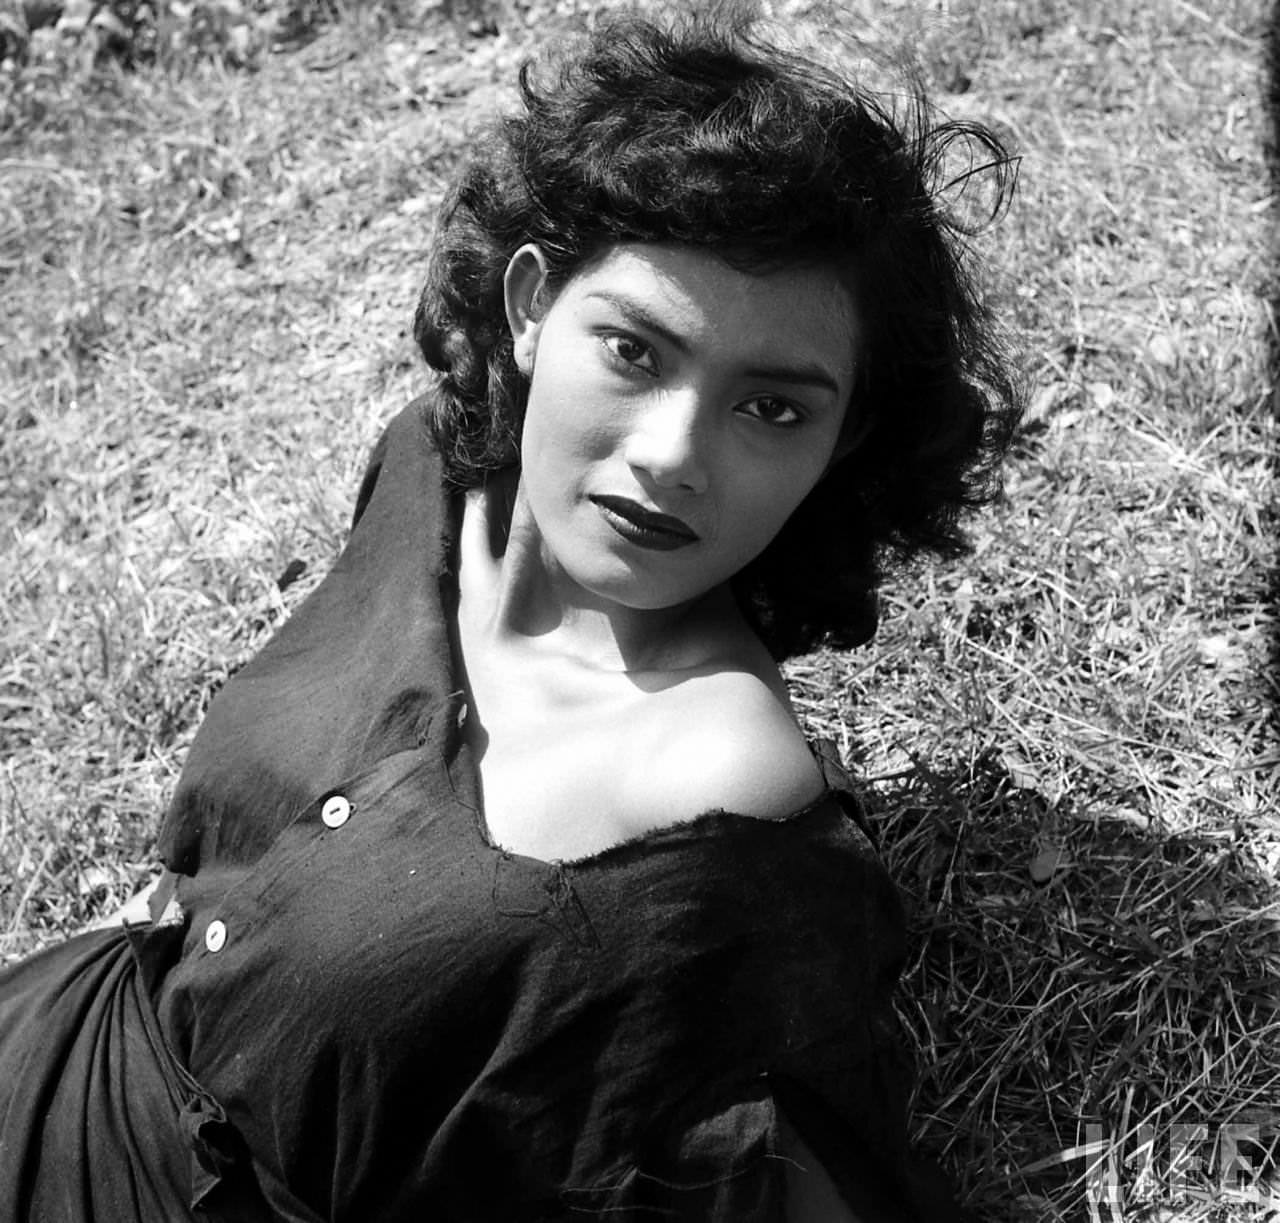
(667, 443)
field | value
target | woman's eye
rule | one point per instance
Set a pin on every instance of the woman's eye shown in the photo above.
(631, 351)
(771, 411)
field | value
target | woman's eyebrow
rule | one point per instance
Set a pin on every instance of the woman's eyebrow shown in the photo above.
(636, 312)
(808, 375)
(795, 375)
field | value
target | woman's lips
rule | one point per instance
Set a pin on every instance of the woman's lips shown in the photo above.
(642, 527)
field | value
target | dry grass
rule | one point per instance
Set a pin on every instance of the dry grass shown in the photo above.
(1069, 740)
(1072, 737)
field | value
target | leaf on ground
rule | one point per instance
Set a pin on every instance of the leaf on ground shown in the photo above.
(1022, 775)
(1102, 393)
(1161, 349)
(1048, 862)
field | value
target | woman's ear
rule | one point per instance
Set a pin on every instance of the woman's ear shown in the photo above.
(523, 293)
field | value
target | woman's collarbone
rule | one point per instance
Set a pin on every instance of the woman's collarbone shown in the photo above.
(568, 781)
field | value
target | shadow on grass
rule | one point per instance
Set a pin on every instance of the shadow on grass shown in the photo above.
(1096, 1004)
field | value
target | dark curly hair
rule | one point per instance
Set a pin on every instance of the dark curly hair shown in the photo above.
(700, 133)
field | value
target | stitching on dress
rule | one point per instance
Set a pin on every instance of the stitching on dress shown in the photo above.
(575, 920)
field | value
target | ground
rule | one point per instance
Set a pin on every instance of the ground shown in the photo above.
(1069, 740)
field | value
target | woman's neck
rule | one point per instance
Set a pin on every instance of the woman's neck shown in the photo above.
(514, 594)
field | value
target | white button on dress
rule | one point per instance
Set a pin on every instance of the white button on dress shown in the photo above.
(335, 812)
(215, 936)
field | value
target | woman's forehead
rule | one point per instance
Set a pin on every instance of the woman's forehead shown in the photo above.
(694, 293)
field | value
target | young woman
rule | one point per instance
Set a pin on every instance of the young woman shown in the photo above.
(503, 885)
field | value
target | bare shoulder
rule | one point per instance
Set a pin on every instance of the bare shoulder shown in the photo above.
(728, 740)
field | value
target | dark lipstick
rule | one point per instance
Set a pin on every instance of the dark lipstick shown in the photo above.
(642, 527)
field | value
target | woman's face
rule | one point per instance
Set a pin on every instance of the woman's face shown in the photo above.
(679, 411)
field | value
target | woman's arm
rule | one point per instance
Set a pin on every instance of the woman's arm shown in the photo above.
(812, 1196)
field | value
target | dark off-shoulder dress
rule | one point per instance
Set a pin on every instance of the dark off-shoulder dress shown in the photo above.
(356, 1008)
